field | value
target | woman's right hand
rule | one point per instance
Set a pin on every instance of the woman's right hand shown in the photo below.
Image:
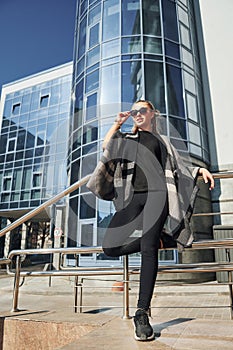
(122, 117)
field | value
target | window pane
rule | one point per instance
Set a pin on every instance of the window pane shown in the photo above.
(178, 128)
(17, 179)
(91, 106)
(154, 84)
(93, 56)
(7, 184)
(25, 104)
(185, 36)
(111, 48)
(183, 16)
(11, 145)
(172, 49)
(187, 58)
(195, 150)
(27, 178)
(92, 81)
(87, 206)
(111, 28)
(36, 181)
(110, 84)
(16, 109)
(152, 45)
(175, 91)
(194, 134)
(192, 107)
(189, 82)
(131, 45)
(7, 108)
(131, 81)
(170, 20)
(151, 17)
(130, 17)
(44, 101)
(86, 237)
(94, 15)
(82, 37)
(94, 35)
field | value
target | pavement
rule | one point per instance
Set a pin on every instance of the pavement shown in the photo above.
(183, 317)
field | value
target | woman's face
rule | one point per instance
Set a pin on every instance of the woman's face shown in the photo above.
(142, 115)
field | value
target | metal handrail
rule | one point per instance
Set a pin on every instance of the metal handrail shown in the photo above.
(83, 181)
(44, 205)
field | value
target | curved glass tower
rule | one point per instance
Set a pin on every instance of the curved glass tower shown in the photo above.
(127, 50)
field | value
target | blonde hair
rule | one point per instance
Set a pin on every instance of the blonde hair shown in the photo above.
(153, 120)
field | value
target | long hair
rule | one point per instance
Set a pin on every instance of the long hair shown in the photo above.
(153, 120)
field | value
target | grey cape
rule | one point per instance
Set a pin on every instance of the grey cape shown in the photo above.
(112, 180)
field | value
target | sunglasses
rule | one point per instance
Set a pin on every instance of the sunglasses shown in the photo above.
(142, 110)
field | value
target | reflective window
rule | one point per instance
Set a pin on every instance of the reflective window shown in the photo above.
(7, 180)
(94, 15)
(187, 58)
(185, 36)
(87, 206)
(111, 19)
(82, 37)
(91, 106)
(152, 45)
(183, 16)
(79, 97)
(178, 128)
(172, 49)
(189, 82)
(151, 17)
(7, 108)
(130, 17)
(16, 184)
(195, 150)
(25, 104)
(87, 236)
(175, 91)
(170, 20)
(36, 179)
(26, 182)
(192, 107)
(44, 101)
(83, 7)
(110, 84)
(92, 81)
(111, 48)
(194, 134)
(93, 56)
(154, 84)
(131, 44)
(11, 144)
(131, 83)
(16, 108)
(94, 35)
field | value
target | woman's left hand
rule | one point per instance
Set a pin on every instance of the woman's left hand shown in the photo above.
(207, 177)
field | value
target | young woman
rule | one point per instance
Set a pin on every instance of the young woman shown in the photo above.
(153, 191)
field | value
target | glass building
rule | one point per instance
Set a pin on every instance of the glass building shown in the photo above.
(33, 143)
(127, 50)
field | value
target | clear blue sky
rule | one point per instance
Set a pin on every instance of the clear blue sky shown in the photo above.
(34, 35)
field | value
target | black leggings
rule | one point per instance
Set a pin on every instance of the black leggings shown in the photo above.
(146, 212)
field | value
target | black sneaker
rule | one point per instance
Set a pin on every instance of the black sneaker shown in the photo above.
(143, 329)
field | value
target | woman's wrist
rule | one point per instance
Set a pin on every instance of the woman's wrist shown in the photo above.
(117, 124)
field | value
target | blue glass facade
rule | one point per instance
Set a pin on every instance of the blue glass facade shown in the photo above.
(33, 143)
(124, 51)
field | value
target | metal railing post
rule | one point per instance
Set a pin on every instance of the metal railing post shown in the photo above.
(126, 287)
(16, 284)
